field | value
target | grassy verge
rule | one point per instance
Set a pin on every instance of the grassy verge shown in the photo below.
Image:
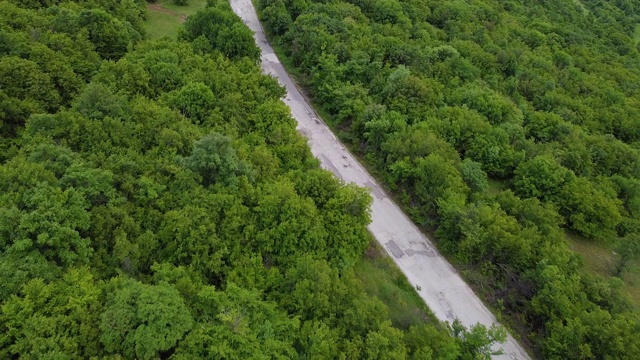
(164, 17)
(381, 278)
(597, 256)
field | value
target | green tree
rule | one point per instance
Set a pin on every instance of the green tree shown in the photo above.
(433, 179)
(97, 101)
(589, 210)
(288, 225)
(628, 250)
(275, 16)
(110, 35)
(478, 342)
(50, 320)
(222, 30)
(214, 158)
(427, 341)
(238, 324)
(474, 176)
(49, 220)
(542, 178)
(142, 320)
(496, 153)
(195, 101)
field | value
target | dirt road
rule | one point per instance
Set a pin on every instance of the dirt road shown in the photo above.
(440, 286)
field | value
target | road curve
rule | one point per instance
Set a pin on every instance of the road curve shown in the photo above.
(438, 283)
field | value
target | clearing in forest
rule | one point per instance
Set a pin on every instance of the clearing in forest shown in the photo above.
(164, 17)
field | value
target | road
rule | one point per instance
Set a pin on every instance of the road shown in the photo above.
(440, 286)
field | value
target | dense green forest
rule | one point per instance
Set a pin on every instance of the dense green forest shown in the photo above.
(156, 201)
(501, 125)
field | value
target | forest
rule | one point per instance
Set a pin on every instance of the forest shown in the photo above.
(157, 202)
(505, 128)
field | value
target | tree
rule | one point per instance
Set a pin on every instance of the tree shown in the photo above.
(275, 16)
(288, 225)
(628, 250)
(238, 324)
(50, 222)
(346, 216)
(478, 342)
(97, 102)
(385, 343)
(589, 210)
(109, 34)
(497, 108)
(222, 30)
(544, 127)
(39, 93)
(53, 319)
(432, 179)
(195, 101)
(95, 185)
(474, 176)
(142, 320)
(416, 141)
(542, 178)
(188, 237)
(428, 341)
(214, 158)
(495, 151)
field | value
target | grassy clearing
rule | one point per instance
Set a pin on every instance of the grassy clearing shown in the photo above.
(164, 17)
(599, 259)
(496, 186)
(597, 256)
(381, 278)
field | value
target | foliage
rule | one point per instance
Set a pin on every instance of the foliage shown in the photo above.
(142, 320)
(217, 28)
(50, 50)
(440, 96)
(162, 204)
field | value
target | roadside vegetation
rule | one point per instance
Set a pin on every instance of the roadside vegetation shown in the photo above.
(502, 127)
(156, 201)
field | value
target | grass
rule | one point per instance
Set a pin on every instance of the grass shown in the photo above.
(636, 34)
(496, 186)
(599, 259)
(382, 279)
(632, 281)
(597, 256)
(164, 18)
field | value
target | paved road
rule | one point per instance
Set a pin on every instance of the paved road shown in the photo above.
(441, 288)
